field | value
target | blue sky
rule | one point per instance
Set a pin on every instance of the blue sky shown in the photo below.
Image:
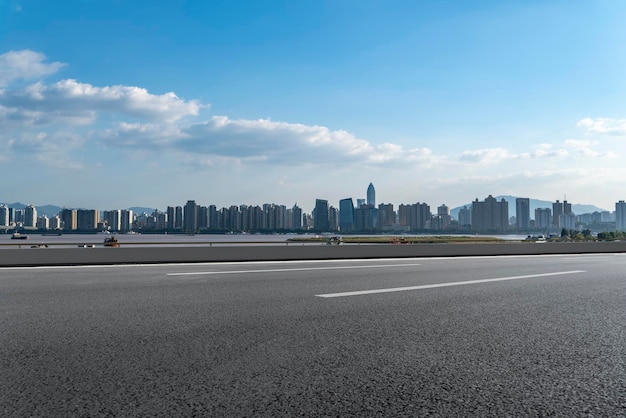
(110, 104)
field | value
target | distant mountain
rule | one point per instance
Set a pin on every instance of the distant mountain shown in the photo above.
(578, 209)
(48, 210)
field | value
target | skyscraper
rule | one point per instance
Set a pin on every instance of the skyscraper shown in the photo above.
(190, 217)
(30, 216)
(371, 195)
(4, 215)
(346, 214)
(490, 215)
(620, 215)
(320, 221)
(522, 208)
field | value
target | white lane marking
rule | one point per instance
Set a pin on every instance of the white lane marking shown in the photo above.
(197, 273)
(433, 286)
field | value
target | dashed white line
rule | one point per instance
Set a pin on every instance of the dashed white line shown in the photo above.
(436, 285)
(200, 273)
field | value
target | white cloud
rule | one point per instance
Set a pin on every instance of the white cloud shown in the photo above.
(487, 155)
(603, 126)
(25, 65)
(71, 100)
(263, 140)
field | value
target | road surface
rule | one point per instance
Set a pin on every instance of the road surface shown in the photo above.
(476, 336)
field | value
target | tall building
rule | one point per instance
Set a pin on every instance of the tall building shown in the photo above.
(320, 219)
(346, 214)
(371, 195)
(465, 217)
(443, 212)
(416, 216)
(386, 216)
(113, 219)
(296, 216)
(620, 215)
(522, 208)
(333, 218)
(30, 216)
(190, 217)
(43, 222)
(68, 218)
(126, 220)
(490, 215)
(4, 215)
(558, 209)
(87, 219)
(543, 218)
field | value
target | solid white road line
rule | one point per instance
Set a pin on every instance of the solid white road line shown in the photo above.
(433, 286)
(199, 273)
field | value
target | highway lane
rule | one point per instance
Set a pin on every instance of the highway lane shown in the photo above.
(520, 336)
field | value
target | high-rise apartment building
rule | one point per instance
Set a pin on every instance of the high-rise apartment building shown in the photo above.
(126, 220)
(371, 195)
(296, 215)
(386, 216)
(113, 219)
(87, 219)
(490, 215)
(30, 216)
(558, 209)
(543, 218)
(443, 212)
(522, 209)
(416, 216)
(190, 216)
(69, 219)
(346, 214)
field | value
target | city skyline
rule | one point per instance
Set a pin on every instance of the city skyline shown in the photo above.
(118, 104)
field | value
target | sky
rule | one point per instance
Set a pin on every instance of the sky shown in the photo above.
(116, 103)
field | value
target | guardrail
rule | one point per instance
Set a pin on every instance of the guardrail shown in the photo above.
(127, 254)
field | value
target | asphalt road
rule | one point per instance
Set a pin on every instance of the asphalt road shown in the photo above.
(523, 336)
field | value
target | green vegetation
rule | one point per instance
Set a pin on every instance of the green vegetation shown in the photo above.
(612, 236)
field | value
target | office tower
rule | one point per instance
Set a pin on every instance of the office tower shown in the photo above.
(320, 219)
(190, 216)
(543, 218)
(359, 203)
(68, 218)
(490, 215)
(346, 214)
(620, 215)
(4, 215)
(371, 195)
(522, 208)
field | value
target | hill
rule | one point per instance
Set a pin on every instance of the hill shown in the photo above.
(578, 209)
